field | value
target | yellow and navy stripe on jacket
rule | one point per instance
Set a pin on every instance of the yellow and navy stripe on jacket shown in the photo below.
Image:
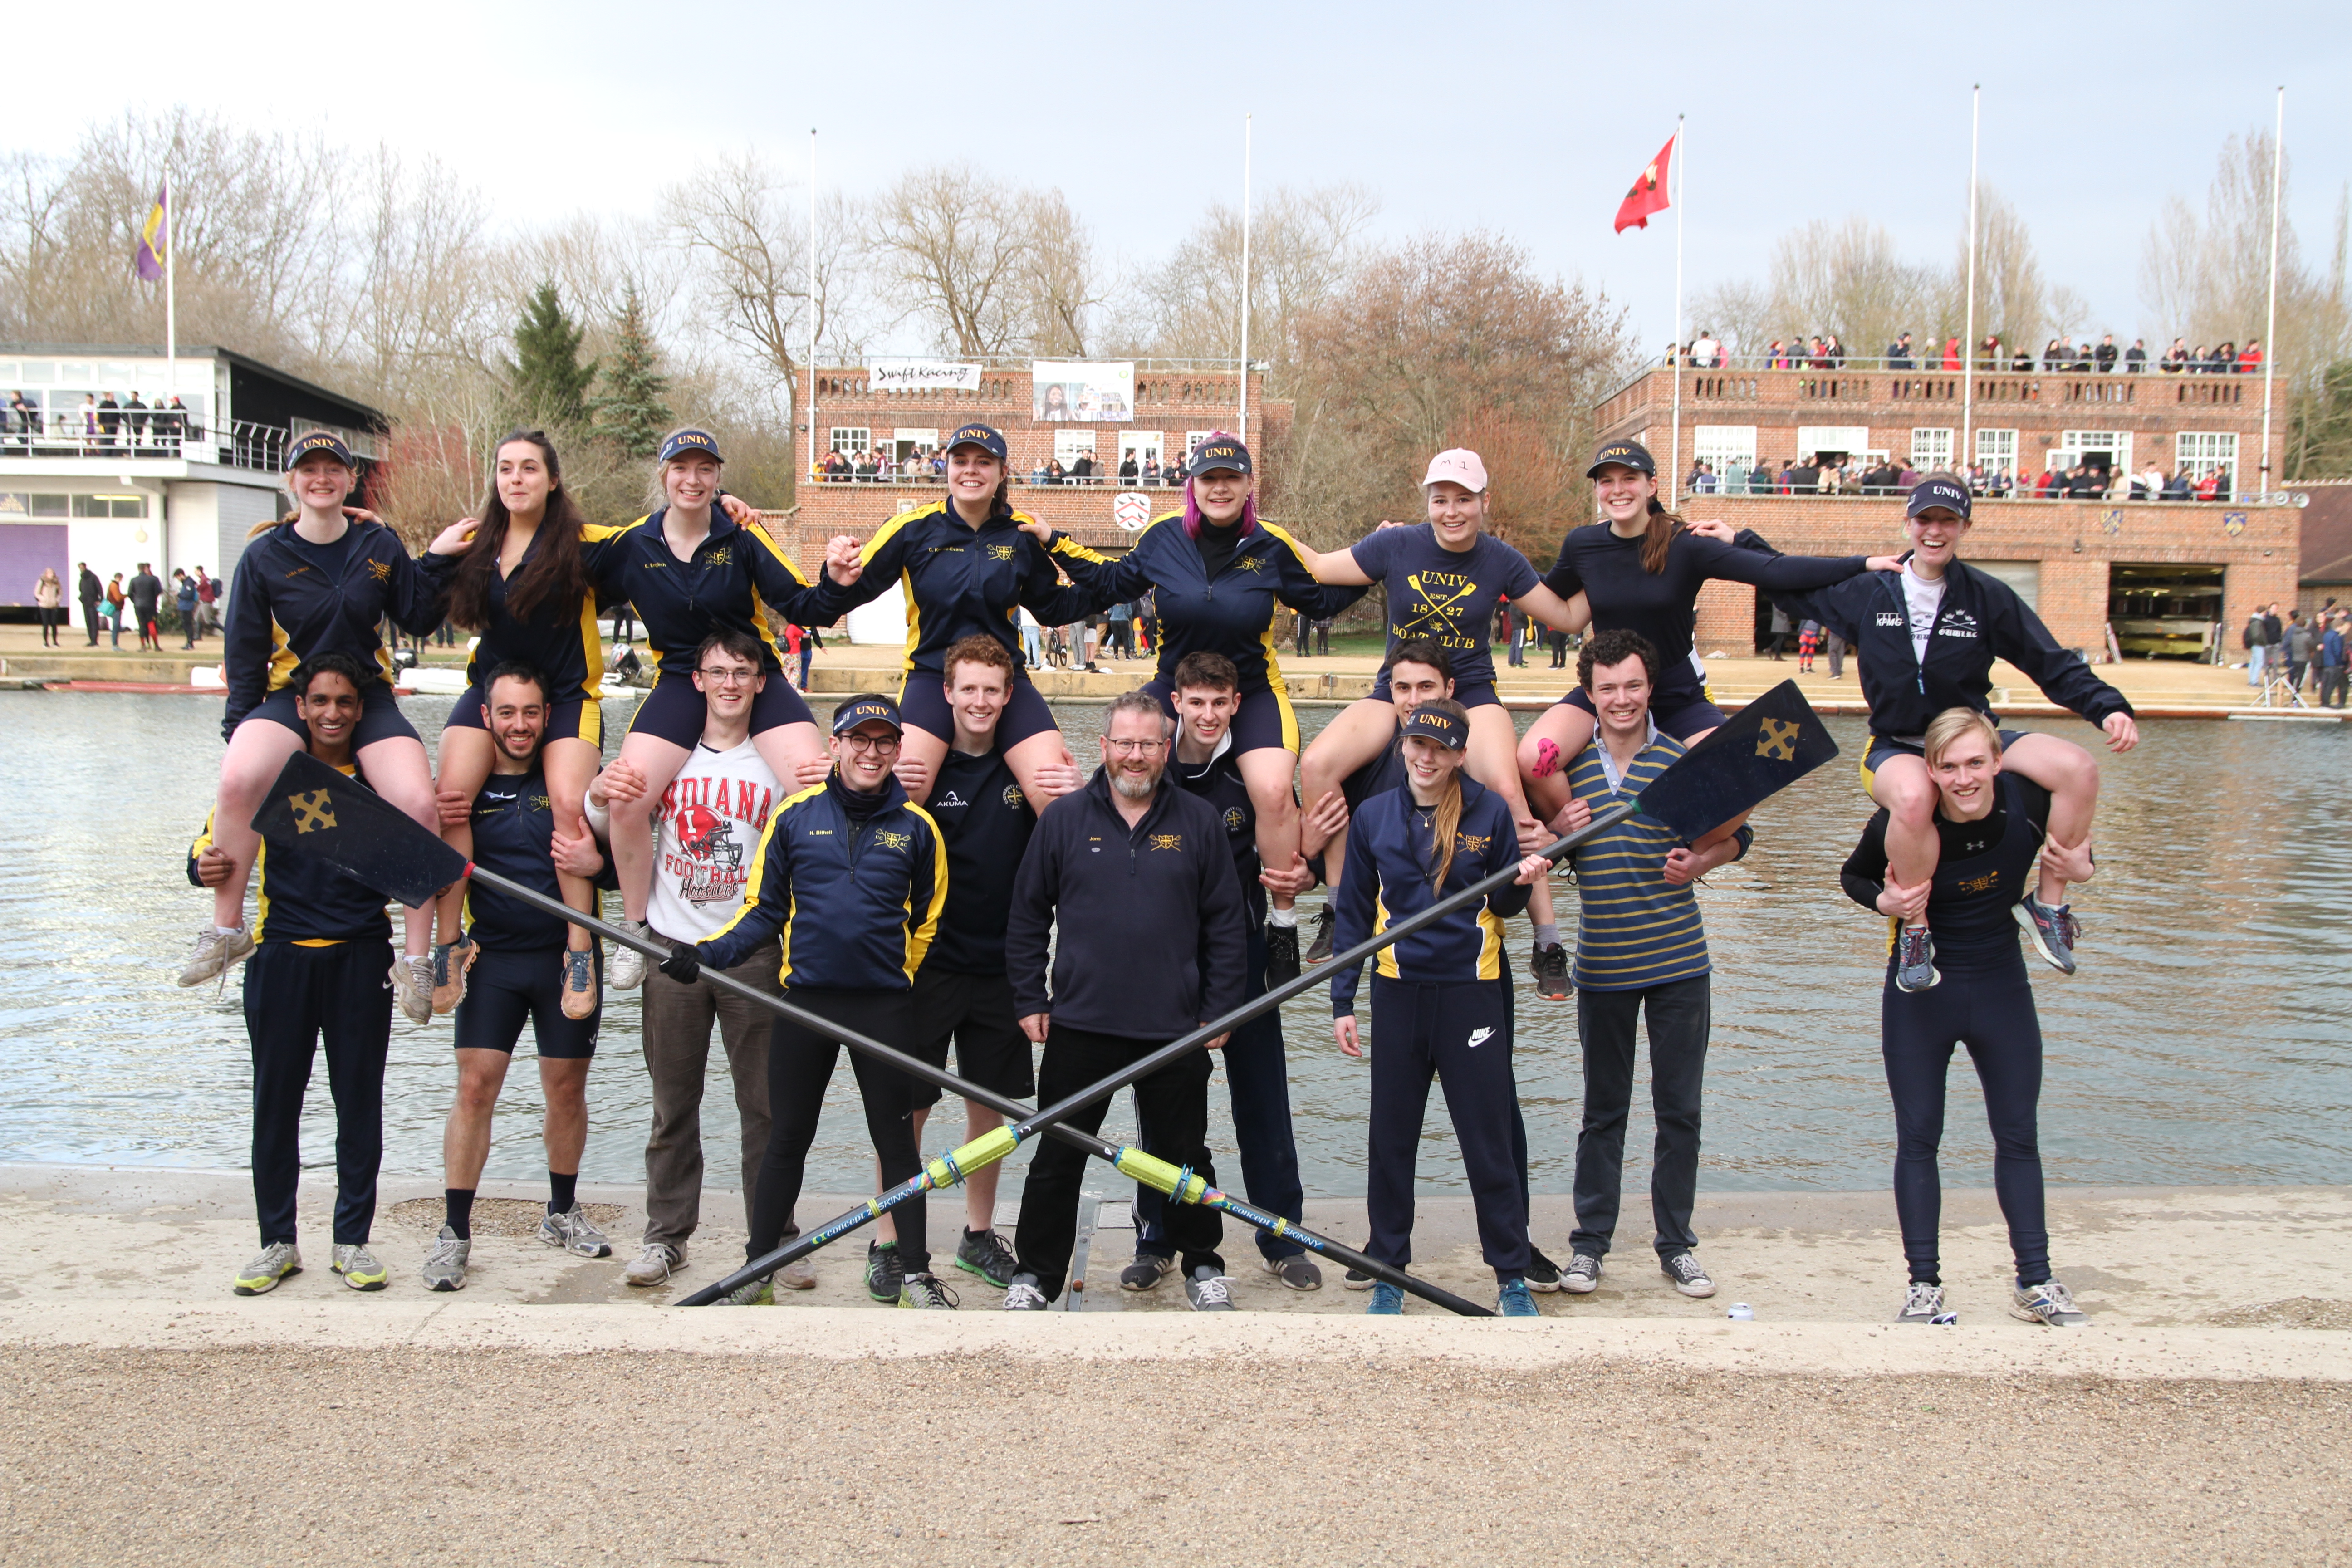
(1389, 857)
(960, 580)
(301, 898)
(558, 638)
(738, 581)
(1634, 930)
(292, 598)
(854, 899)
(1232, 614)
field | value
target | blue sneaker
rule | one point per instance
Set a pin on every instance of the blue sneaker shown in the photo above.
(2055, 932)
(1516, 1300)
(1388, 1301)
(1914, 960)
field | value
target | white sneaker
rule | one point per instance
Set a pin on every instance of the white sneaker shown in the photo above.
(626, 970)
(215, 951)
(261, 1276)
(444, 1263)
(412, 980)
(2048, 1303)
(359, 1267)
(655, 1263)
(575, 1233)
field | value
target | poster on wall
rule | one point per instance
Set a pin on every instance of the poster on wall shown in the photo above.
(921, 374)
(1082, 392)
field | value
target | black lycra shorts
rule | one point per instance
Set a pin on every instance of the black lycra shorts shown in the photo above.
(380, 716)
(572, 718)
(923, 705)
(1264, 723)
(505, 991)
(674, 711)
(1681, 718)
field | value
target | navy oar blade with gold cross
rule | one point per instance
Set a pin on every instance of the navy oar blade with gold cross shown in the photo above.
(1759, 751)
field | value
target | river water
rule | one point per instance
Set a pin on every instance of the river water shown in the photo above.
(2207, 1040)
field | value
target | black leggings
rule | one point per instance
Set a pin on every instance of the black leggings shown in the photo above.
(800, 1063)
(1992, 1013)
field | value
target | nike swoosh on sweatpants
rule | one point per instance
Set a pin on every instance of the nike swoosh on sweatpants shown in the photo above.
(1480, 1037)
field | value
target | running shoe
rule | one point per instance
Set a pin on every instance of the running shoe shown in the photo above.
(412, 978)
(1543, 1274)
(1689, 1279)
(451, 960)
(277, 1260)
(886, 1276)
(799, 1273)
(1387, 1301)
(1209, 1291)
(655, 1263)
(1145, 1272)
(758, 1293)
(2055, 932)
(1319, 949)
(1022, 1295)
(983, 1252)
(579, 983)
(215, 951)
(445, 1263)
(1550, 970)
(359, 1267)
(1297, 1271)
(1356, 1280)
(1281, 954)
(2048, 1303)
(1583, 1275)
(1924, 1303)
(1914, 960)
(925, 1293)
(628, 970)
(575, 1233)
(1515, 1300)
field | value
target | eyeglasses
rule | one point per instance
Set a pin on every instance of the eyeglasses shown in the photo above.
(871, 742)
(1134, 748)
(720, 675)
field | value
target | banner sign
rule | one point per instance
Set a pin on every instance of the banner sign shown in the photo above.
(918, 375)
(1083, 393)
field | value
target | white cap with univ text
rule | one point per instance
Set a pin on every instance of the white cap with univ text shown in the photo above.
(1459, 466)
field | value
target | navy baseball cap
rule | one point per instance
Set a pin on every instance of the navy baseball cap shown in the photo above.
(1625, 454)
(1224, 452)
(985, 436)
(860, 709)
(1438, 725)
(1938, 490)
(679, 443)
(318, 441)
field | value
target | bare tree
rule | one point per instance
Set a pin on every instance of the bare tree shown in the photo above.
(1059, 276)
(2012, 299)
(1847, 278)
(1305, 246)
(947, 242)
(745, 236)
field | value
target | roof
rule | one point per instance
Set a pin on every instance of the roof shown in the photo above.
(2327, 533)
(201, 351)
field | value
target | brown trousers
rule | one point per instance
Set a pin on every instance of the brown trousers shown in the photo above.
(677, 1020)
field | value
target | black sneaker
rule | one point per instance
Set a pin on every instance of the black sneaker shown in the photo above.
(1298, 1271)
(1542, 1274)
(886, 1276)
(1551, 970)
(1356, 1280)
(1145, 1272)
(983, 1252)
(1281, 954)
(1319, 949)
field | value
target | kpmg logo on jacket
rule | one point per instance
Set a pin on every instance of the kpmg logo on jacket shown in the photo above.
(1892, 619)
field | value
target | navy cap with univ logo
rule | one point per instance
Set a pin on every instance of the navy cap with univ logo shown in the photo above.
(682, 443)
(1938, 490)
(987, 437)
(318, 441)
(1438, 725)
(1224, 452)
(865, 709)
(1625, 455)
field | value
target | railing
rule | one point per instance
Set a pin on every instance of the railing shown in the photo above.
(1733, 377)
(1097, 481)
(157, 433)
(1771, 489)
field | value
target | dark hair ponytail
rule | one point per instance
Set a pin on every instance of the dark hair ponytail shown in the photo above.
(1659, 537)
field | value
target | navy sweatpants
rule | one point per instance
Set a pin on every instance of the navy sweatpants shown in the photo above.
(1459, 1033)
(294, 995)
(1992, 1013)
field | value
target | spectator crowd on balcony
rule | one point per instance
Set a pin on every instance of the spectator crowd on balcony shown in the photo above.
(1838, 476)
(102, 424)
(1826, 351)
(928, 465)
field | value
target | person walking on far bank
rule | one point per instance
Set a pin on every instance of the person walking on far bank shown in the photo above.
(183, 599)
(145, 592)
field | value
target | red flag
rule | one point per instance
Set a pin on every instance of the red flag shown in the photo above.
(1649, 192)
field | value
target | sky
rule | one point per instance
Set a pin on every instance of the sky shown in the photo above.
(1523, 118)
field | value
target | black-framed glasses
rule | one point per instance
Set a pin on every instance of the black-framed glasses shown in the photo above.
(871, 742)
(1135, 747)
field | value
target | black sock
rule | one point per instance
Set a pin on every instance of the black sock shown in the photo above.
(559, 1191)
(1934, 1280)
(461, 1213)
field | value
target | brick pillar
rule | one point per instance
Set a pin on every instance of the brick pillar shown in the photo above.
(2073, 602)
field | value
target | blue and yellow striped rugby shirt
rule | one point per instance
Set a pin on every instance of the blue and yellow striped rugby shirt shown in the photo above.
(1633, 929)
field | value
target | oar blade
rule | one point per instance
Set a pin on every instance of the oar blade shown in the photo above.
(1759, 751)
(314, 810)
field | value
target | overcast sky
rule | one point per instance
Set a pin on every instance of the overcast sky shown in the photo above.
(1531, 120)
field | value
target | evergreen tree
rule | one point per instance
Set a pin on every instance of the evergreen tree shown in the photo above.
(631, 413)
(549, 381)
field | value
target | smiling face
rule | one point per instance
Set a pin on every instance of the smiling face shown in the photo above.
(1935, 536)
(1206, 712)
(691, 480)
(1220, 493)
(1456, 514)
(1963, 773)
(1621, 696)
(974, 474)
(1428, 762)
(1622, 494)
(320, 481)
(977, 693)
(329, 710)
(865, 756)
(1410, 685)
(516, 714)
(728, 683)
(523, 481)
(1135, 752)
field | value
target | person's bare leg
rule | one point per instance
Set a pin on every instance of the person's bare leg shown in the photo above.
(2071, 774)
(1494, 761)
(795, 753)
(632, 820)
(397, 771)
(572, 766)
(1268, 772)
(564, 1082)
(1347, 744)
(467, 755)
(256, 752)
(1903, 786)
(921, 747)
(1043, 749)
(465, 1138)
(1543, 773)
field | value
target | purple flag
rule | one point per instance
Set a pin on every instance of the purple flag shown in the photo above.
(156, 236)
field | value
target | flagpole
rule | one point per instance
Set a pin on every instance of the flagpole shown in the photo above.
(170, 295)
(2270, 329)
(1966, 453)
(1676, 173)
(1243, 431)
(811, 475)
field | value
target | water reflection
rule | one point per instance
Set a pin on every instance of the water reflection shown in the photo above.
(2204, 1041)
